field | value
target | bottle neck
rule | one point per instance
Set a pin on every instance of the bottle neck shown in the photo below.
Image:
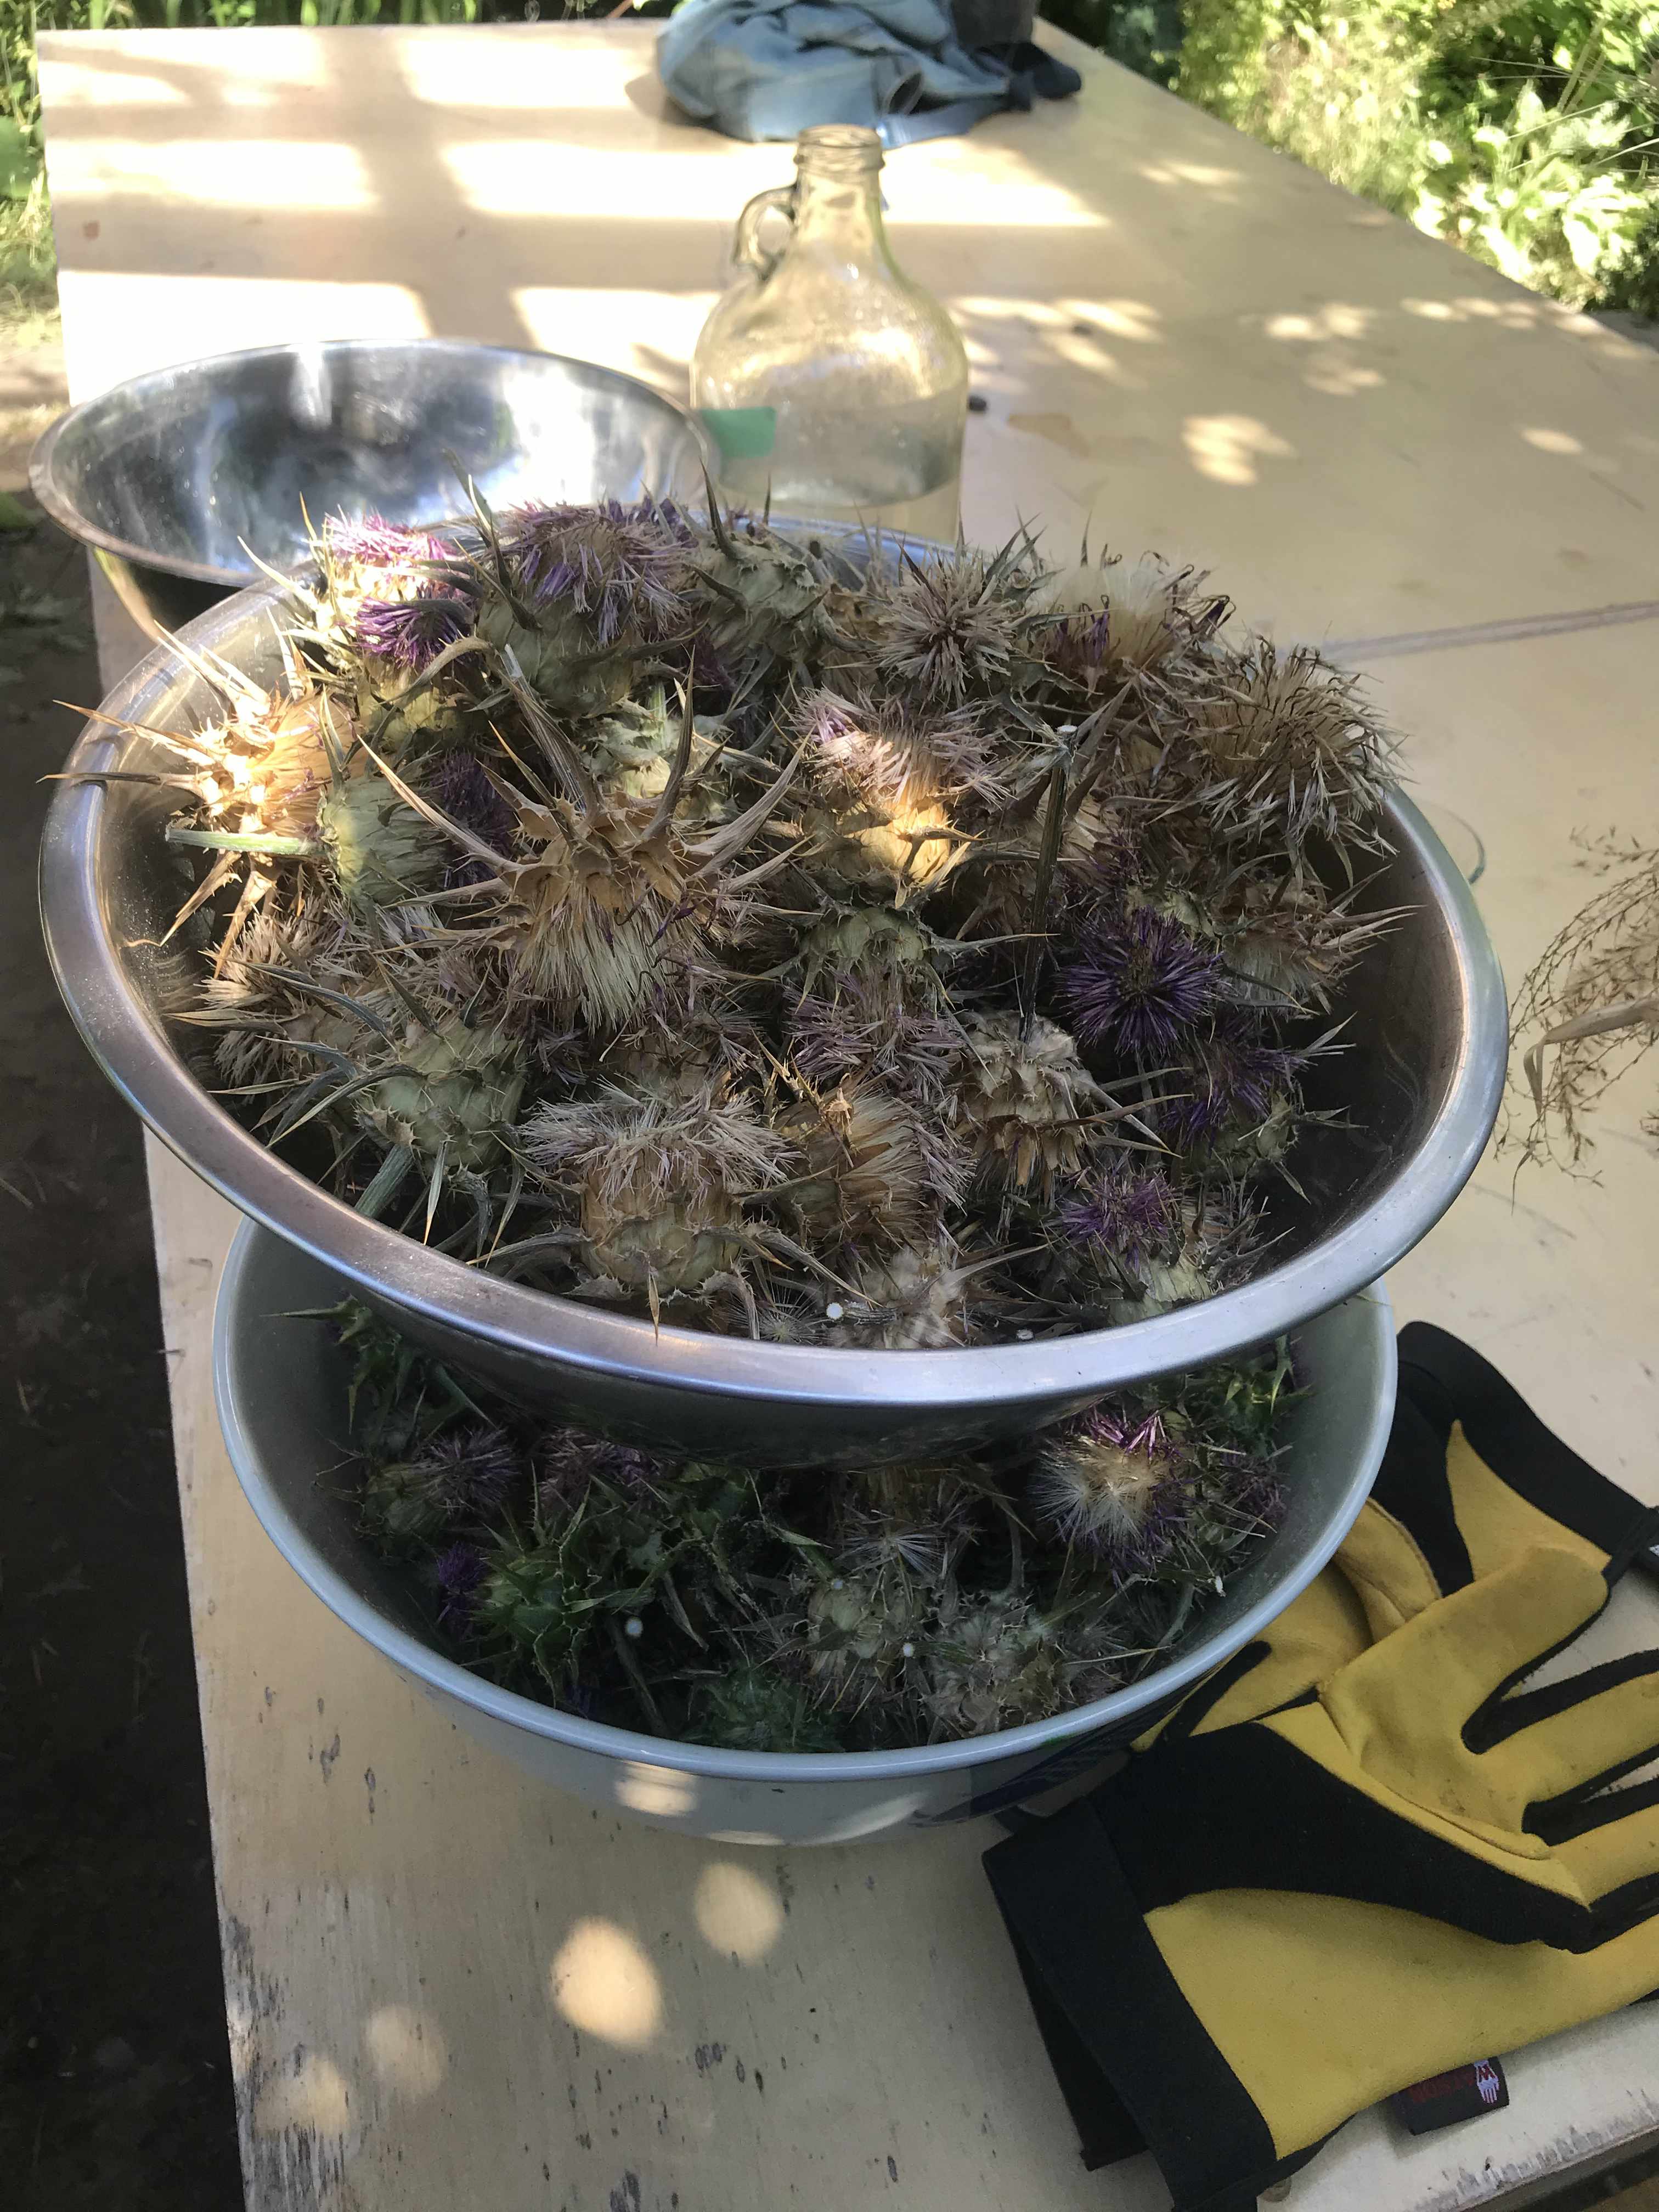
(838, 215)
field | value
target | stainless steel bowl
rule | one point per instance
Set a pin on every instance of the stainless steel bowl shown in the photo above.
(1427, 1036)
(171, 477)
(281, 1386)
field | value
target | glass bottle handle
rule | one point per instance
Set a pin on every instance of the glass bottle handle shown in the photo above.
(746, 248)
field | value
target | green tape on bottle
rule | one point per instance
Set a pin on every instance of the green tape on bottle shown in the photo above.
(742, 434)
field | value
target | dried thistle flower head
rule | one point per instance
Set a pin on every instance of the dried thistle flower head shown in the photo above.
(994, 1662)
(1120, 1218)
(911, 1300)
(459, 1573)
(865, 1029)
(1024, 1097)
(860, 1630)
(872, 1167)
(659, 1184)
(621, 570)
(594, 905)
(368, 558)
(948, 629)
(1115, 619)
(877, 752)
(1293, 752)
(568, 1461)
(461, 1474)
(413, 633)
(1111, 1483)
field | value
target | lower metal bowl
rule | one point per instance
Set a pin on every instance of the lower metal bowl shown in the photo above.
(175, 478)
(281, 1383)
(1413, 1098)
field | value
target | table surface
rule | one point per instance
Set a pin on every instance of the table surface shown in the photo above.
(448, 1988)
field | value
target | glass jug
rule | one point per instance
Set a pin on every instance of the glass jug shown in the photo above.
(825, 377)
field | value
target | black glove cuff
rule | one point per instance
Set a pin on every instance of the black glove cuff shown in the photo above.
(1132, 2046)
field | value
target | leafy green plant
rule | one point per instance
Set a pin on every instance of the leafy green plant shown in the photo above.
(1548, 195)
(1524, 133)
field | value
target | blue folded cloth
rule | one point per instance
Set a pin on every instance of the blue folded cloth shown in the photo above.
(771, 69)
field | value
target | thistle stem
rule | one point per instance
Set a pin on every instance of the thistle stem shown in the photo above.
(229, 841)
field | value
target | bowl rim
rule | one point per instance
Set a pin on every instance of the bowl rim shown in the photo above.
(415, 1657)
(45, 487)
(541, 1326)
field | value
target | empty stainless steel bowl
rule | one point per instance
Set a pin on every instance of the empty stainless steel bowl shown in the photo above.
(1427, 1039)
(171, 478)
(280, 1385)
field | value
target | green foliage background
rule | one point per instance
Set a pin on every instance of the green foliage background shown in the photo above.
(1524, 133)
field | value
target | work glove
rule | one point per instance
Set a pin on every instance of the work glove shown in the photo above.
(1470, 1480)
(1252, 1932)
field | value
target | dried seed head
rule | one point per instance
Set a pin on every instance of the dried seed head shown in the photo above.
(1023, 1096)
(1293, 752)
(1111, 1483)
(659, 1184)
(913, 1300)
(1117, 619)
(947, 631)
(857, 1627)
(993, 1663)
(877, 752)
(594, 905)
(875, 1168)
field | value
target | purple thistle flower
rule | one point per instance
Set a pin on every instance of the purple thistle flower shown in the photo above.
(1123, 1214)
(862, 1030)
(568, 1460)
(1234, 1075)
(413, 632)
(1080, 645)
(1139, 985)
(459, 1571)
(371, 542)
(622, 568)
(467, 1471)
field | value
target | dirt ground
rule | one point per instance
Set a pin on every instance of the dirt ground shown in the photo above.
(115, 2088)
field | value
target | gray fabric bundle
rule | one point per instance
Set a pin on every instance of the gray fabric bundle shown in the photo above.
(771, 69)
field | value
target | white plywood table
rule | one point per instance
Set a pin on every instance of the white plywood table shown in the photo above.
(449, 1989)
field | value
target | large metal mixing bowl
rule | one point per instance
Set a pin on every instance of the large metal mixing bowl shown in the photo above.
(170, 477)
(1421, 1079)
(282, 1389)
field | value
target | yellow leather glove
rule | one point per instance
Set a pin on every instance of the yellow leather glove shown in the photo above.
(1471, 1479)
(1252, 1932)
